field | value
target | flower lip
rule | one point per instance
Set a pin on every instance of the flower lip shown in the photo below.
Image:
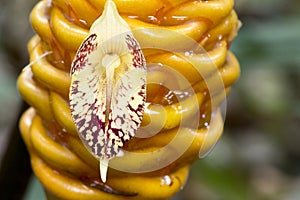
(107, 92)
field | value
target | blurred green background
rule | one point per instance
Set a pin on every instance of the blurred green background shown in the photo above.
(258, 157)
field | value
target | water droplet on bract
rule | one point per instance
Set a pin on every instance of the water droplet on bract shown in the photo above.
(166, 180)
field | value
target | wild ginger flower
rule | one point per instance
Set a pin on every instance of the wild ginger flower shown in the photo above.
(189, 72)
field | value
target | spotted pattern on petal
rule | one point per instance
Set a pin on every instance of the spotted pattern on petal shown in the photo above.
(128, 100)
(108, 87)
(87, 104)
(102, 132)
(128, 103)
(138, 60)
(87, 47)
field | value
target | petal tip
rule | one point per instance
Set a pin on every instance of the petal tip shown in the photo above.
(103, 169)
